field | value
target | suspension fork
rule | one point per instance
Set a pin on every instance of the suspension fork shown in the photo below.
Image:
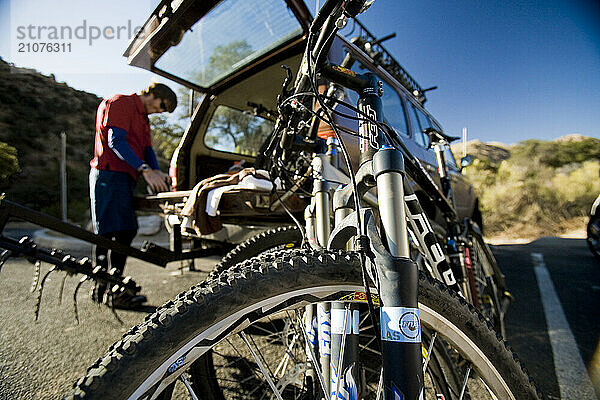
(445, 180)
(345, 382)
(428, 241)
(458, 251)
(398, 281)
(457, 256)
(397, 274)
(338, 321)
(322, 209)
(335, 325)
(311, 326)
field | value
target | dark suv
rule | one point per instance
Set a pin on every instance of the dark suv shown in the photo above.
(230, 53)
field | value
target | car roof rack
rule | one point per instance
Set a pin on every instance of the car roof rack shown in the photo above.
(372, 46)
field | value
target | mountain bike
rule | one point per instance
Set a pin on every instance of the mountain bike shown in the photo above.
(382, 329)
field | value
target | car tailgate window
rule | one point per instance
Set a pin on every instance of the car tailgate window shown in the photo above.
(232, 35)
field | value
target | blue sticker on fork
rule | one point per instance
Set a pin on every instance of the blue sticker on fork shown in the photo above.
(400, 324)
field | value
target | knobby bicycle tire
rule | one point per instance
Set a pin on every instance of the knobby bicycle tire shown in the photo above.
(259, 291)
(283, 237)
(490, 286)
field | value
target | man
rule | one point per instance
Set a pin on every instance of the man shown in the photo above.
(122, 152)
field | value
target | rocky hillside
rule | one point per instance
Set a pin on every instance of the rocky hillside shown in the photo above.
(495, 152)
(34, 109)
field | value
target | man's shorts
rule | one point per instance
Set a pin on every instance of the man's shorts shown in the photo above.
(111, 195)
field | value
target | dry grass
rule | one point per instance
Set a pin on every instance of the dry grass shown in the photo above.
(525, 233)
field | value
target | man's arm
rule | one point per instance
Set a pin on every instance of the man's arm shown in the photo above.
(162, 178)
(157, 180)
(150, 157)
(118, 143)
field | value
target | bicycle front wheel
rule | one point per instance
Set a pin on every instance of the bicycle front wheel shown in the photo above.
(249, 323)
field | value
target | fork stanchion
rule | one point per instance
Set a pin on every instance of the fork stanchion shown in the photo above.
(398, 281)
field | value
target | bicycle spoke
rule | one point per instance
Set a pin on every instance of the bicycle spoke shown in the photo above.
(488, 389)
(253, 369)
(280, 370)
(342, 348)
(464, 386)
(364, 347)
(366, 318)
(429, 350)
(379, 386)
(256, 389)
(184, 378)
(313, 358)
(260, 365)
(262, 357)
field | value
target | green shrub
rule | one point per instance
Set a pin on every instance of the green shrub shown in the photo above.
(558, 152)
(165, 137)
(9, 164)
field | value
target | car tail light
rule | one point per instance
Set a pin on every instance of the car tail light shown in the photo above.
(173, 175)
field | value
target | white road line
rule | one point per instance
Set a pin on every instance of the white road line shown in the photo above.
(573, 379)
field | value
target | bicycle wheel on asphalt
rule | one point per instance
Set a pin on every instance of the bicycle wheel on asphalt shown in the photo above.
(250, 317)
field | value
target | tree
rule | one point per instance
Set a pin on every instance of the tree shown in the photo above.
(9, 164)
(184, 95)
(234, 131)
(165, 137)
(222, 60)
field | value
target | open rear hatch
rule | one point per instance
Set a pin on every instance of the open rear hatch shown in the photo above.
(210, 46)
(183, 39)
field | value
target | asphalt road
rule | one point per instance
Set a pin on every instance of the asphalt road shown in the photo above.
(575, 275)
(41, 360)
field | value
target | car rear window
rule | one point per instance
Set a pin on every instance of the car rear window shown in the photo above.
(230, 36)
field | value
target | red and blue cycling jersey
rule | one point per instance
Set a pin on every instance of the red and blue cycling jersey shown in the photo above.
(123, 139)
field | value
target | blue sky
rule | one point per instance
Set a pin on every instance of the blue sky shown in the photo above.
(506, 70)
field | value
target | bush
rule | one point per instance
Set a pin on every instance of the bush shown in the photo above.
(9, 164)
(577, 190)
(537, 187)
(558, 152)
(165, 137)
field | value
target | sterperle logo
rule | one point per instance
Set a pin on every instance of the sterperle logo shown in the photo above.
(84, 31)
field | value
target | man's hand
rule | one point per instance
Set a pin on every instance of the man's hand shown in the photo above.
(158, 180)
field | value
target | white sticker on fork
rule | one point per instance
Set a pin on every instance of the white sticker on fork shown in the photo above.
(400, 324)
